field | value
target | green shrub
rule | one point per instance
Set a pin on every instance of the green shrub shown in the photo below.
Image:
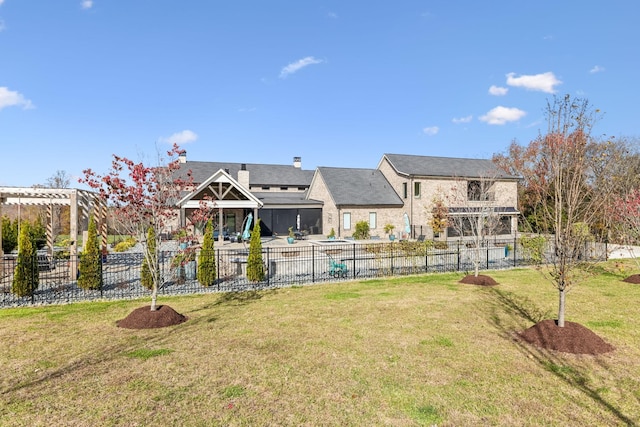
(207, 273)
(90, 267)
(146, 274)
(533, 247)
(25, 278)
(362, 230)
(255, 265)
(439, 244)
(125, 245)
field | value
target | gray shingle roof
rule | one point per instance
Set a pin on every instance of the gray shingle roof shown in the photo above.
(359, 187)
(412, 165)
(259, 174)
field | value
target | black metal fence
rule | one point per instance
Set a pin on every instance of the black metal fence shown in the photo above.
(284, 266)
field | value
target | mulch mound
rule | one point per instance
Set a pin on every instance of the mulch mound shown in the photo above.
(144, 318)
(634, 278)
(573, 338)
(480, 280)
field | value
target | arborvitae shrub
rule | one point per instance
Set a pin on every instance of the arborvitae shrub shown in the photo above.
(25, 278)
(255, 265)
(207, 259)
(150, 259)
(90, 267)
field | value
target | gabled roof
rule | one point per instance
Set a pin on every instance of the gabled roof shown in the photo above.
(429, 166)
(225, 192)
(359, 187)
(259, 174)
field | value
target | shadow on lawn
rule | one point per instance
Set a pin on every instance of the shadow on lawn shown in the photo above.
(521, 310)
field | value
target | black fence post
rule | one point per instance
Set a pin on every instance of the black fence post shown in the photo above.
(313, 264)
(218, 269)
(354, 261)
(487, 260)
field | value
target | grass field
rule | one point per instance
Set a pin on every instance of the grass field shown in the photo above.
(420, 350)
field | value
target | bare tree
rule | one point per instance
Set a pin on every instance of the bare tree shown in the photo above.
(570, 166)
(473, 213)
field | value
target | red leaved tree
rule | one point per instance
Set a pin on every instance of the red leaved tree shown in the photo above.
(625, 212)
(141, 197)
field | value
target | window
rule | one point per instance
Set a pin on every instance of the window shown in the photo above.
(284, 188)
(405, 191)
(372, 220)
(504, 227)
(266, 187)
(479, 190)
(461, 224)
(346, 221)
(416, 190)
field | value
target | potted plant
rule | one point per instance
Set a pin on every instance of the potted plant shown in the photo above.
(185, 263)
(332, 234)
(292, 237)
(388, 229)
(183, 238)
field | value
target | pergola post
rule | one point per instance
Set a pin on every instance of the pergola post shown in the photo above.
(73, 235)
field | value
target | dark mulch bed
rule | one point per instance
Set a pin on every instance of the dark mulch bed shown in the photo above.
(480, 280)
(572, 338)
(144, 318)
(634, 278)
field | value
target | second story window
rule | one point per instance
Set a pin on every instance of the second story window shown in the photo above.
(405, 191)
(416, 190)
(479, 190)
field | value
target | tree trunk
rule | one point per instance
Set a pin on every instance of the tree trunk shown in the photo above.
(562, 295)
(154, 297)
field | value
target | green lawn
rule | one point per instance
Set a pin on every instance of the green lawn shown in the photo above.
(420, 350)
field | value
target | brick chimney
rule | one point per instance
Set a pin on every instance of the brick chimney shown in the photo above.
(297, 162)
(243, 176)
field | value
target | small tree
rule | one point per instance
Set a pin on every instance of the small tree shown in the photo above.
(478, 218)
(143, 196)
(572, 164)
(362, 230)
(149, 264)
(626, 214)
(9, 234)
(90, 267)
(255, 264)
(207, 272)
(25, 278)
(439, 214)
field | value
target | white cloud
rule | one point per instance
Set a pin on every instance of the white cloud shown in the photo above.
(596, 69)
(458, 120)
(10, 98)
(498, 91)
(86, 4)
(184, 137)
(544, 82)
(298, 65)
(1, 1)
(501, 115)
(332, 15)
(432, 130)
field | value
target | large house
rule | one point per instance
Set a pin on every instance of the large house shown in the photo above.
(400, 191)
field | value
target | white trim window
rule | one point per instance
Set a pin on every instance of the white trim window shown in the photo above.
(346, 220)
(373, 220)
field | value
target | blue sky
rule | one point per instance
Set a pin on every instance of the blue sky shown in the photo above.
(338, 83)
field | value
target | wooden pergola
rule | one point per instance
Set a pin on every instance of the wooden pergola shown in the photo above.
(81, 203)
